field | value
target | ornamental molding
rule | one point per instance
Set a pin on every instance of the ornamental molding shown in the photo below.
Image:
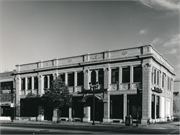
(146, 66)
(124, 53)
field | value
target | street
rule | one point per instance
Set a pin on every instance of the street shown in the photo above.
(70, 129)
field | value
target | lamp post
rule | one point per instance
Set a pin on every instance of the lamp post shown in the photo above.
(93, 87)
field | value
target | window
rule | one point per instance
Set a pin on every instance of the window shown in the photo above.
(125, 75)
(154, 76)
(6, 85)
(163, 80)
(137, 74)
(157, 106)
(23, 84)
(80, 78)
(45, 82)
(71, 79)
(157, 77)
(29, 83)
(51, 79)
(62, 77)
(168, 83)
(35, 82)
(115, 76)
(93, 77)
(101, 76)
(153, 106)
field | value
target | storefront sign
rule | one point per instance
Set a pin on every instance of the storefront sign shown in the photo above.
(158, 90)
(6, 91)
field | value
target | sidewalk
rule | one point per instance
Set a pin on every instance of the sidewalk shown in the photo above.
(165, 125)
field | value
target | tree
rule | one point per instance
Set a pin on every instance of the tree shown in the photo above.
(57, 96)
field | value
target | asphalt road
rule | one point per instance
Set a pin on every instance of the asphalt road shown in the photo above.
(69, 129)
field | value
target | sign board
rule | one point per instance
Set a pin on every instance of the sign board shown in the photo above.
(158, 90)
(6, 91)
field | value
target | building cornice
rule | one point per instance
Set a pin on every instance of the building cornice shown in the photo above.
(136, 53)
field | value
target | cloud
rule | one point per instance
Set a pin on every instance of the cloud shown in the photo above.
(157, 41)
(142, 32)
(173, 5)
(173, 51)
(174, 41)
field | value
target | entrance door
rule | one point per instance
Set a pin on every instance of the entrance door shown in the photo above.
(48, 112)
(99, 109)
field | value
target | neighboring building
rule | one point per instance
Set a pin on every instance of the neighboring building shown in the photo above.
(6, 88)
(117, 71)
(176, 98)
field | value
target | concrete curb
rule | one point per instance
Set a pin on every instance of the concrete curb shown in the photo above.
(106, 125)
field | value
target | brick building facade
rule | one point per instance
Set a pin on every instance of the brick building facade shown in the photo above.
(117, 71)
(6, 89)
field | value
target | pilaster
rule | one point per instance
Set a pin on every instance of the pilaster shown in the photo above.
(107, 81)
(131, 76)
(40, 85)
(97, 75)
(86, 78)
(106, 108)
(26, 86)
(125, 106)
(18, 88)
(75, 81)
(155, 102)
(120, 74)
(48, 81)
(146, 94)
(70, 113)
(66, 78)
(32, 82)
(87, 112)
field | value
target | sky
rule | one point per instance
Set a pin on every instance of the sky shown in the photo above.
(42, 30)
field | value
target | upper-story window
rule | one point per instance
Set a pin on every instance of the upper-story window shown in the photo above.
(23, 83)
(51, 79)
(6, 85)
(126, 75)
(163, 79)
(101, 76)
(154, 76)
(169, 83)
(114, 75)
(80, 78)
(62, 77)
(93, 77)
(71, 79)
(29, 83)
(157, 77)
(137, 74)
(45, 82)
(35, 82)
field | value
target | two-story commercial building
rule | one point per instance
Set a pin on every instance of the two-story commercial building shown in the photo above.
(118, 72)
(7, 96)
